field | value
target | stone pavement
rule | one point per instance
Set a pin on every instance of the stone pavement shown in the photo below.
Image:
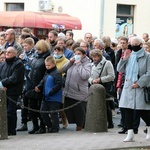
(69, 139)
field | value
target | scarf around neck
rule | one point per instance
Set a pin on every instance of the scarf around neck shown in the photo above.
(132, 66)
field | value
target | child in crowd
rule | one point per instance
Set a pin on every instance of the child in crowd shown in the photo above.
(52, 89)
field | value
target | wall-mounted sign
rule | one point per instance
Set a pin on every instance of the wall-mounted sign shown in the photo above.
(124, 26)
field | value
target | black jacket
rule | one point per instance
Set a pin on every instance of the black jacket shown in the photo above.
(12, 76)
(111, 53)
(38, 68)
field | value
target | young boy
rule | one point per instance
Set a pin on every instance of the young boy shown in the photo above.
(52, 89)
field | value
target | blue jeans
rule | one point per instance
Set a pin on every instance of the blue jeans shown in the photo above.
(51, 120)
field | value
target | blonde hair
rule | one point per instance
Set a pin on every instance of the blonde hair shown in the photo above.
(29, 41)
(50, 59)
(42, 45)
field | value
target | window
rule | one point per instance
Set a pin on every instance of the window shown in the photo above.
(14, 6)
(124, 20)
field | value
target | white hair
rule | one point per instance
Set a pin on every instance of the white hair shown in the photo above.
(137, 40)
(100, 42)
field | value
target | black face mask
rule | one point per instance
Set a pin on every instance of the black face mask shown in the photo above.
(130, 47)
(136, 48)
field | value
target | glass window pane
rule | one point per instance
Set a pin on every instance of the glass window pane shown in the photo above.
(15, 7)
(124, 9)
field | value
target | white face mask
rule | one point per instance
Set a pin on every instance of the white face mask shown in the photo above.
(77, 57)
(58, 56)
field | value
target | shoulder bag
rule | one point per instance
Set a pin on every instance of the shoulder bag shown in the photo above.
(109, 86)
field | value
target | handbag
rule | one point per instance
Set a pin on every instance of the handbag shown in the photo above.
(109, 86)
(147, 94)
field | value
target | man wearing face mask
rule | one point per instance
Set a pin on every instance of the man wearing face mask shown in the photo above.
(136, 67)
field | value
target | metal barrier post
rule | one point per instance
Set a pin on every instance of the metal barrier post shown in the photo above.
(3, 115)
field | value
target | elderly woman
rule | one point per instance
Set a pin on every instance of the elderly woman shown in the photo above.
(36, 74)
(76, 87)
(136, 67)
(107, 75)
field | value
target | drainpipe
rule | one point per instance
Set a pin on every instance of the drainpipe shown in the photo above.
(102, 18)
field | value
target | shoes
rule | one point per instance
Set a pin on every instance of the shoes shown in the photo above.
(148, 133)
(23, 128)
(64, 123)
(49, 130)
(130, 136)
(11, 134)
(78, 128)
(123, 131)
(41, 131)
(120, 125)
(33, 130)
(145, 131)
(118, 112)
(110, 126)
(135, 131)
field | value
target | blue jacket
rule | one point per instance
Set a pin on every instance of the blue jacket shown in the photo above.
(52, 85)
(68, 53)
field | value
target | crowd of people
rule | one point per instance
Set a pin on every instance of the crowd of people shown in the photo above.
(57, 72)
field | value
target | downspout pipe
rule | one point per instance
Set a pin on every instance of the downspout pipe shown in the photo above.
(102, 18)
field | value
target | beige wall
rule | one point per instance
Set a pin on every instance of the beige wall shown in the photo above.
(89, 12)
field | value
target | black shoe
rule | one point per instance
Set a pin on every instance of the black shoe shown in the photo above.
(49, 130)
(41, 131)
(120, 125)
(110, 126)
(123, 131)
(33, 130)
(23, 128)
(145, 131)
(135, 131)
(11, 134)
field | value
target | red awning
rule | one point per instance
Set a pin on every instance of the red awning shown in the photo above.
(44, 20)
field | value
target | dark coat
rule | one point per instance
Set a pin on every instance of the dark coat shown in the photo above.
(111, 53)
(12, 76)
(38, 68)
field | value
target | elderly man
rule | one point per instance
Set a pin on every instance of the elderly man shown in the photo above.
(88, 38)
(98, 44)
(11, 79)
(11, 41)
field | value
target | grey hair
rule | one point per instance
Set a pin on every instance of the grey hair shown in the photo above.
(100, 42)
(12, 31)
(137, 39)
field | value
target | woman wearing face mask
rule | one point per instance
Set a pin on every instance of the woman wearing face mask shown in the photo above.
(136, 67)
(60, 61)
(76, 87)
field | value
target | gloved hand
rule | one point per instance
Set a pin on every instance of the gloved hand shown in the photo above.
(1, 85)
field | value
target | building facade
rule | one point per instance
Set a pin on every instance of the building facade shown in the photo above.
(100, 17)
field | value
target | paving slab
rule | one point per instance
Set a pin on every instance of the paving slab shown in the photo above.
(69, 139)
